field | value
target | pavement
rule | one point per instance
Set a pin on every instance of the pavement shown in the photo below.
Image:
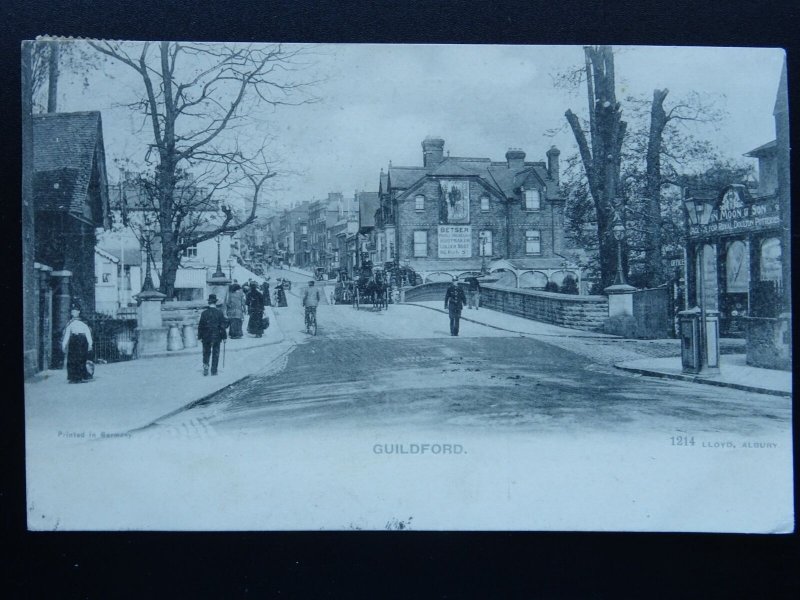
(734, 372)
(128, 395)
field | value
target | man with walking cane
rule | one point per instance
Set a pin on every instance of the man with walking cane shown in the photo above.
(211, 331)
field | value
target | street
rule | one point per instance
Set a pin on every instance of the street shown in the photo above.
(401, 367)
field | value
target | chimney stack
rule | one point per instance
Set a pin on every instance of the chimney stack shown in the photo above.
(515, 158)
(552, 163)
(432, 151)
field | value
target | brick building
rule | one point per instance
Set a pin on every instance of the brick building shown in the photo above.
(453, 216)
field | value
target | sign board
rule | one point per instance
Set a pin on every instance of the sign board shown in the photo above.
(455, 241)
(738, 219)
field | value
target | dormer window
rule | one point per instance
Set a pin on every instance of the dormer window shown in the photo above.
(532, 199)
(419, 202)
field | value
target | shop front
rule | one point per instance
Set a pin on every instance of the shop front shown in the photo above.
(736, 249)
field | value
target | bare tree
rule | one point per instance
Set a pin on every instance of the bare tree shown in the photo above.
(196, 98)
(690, 109)
(601, 152)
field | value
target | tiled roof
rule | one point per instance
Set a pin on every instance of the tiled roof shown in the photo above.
(496, 174)
(65, 146)
(404, 177)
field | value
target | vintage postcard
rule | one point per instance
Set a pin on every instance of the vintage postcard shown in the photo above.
(426, 287)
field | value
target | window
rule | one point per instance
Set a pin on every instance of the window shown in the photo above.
(303, 229)
(533, 243)
(532, 199)
(419, 203)
(106, 277)
(485, 243)
(484, 203)
(420, 243)
(190, 252)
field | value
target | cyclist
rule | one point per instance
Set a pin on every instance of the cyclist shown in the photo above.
(311, 299)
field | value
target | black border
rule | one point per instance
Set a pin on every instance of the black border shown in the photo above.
(367, 564)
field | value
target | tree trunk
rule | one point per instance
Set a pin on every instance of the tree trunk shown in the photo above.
(653, 243)
(52, 78)
(601, 156)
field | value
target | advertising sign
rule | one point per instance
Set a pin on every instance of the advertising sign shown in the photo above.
(455, 241)
(455, 201)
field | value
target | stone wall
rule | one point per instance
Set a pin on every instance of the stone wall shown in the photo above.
(588, 313)
(769, 343)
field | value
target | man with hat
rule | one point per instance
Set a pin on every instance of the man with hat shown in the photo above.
(211, 331)
(454, 301)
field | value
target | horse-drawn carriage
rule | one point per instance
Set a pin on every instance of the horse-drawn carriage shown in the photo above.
(370, 286)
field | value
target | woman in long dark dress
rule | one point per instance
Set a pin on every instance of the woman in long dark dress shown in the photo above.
(265, 292)
(281, 294)
(76, 345)
(255, 307)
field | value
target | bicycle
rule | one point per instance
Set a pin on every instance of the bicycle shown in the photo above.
(311, 320)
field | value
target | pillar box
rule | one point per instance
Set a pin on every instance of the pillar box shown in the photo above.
(61, 304)
(150, 330)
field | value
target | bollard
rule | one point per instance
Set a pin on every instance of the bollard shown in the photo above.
(189, 335)
(174, 341)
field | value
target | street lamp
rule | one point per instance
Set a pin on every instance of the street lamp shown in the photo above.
(618, 229)
(698, 213)
(483, 255)
(147, 284)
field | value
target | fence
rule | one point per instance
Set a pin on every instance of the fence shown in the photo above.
(653, 313)
(114, 339)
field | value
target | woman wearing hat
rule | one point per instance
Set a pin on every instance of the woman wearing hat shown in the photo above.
(76, 345)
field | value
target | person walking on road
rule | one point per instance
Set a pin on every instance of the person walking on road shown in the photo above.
(473, 293)
(76, 345)
(265, 292)
(454, 301)
(211, 331)
(234, 307)
(255, 308)
(280, 294)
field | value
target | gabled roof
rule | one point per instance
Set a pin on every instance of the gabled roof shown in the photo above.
(403, 178)
(495, 174)
(68, 150)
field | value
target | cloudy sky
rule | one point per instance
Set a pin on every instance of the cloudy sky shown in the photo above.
(377, 103)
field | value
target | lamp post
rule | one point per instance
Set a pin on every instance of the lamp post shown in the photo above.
(698, 212)
(483, 255)
(618, 229)
(147, 285)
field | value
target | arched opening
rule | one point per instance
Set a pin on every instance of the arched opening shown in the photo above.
(506, 278)
(533, 280)
(438, 276)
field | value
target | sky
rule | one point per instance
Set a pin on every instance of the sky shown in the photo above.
(376, 103)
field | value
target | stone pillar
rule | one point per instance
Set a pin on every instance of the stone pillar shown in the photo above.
(44, 318)
(620, 300)
(61, 303)
(620, 310)
(150, 330)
